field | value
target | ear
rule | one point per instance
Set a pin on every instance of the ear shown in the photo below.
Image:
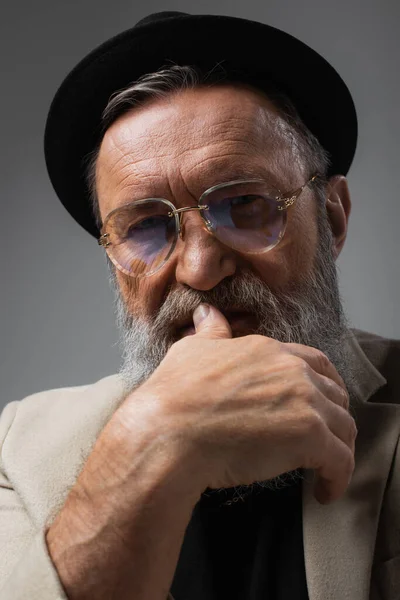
(338, 207)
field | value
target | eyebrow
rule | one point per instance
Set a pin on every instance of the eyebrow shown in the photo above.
(230, 172)
(223, 173)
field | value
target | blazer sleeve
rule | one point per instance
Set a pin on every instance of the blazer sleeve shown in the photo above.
(26, 569)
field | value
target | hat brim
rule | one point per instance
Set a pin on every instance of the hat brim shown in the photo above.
(247, 50)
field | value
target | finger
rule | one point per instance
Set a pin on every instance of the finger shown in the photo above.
(317, 360)
(334, 465)
(330, 389)
(210, 322)
(336, 417)
(333, 477)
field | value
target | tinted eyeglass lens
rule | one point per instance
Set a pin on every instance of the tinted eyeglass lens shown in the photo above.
(142, 236)
(245, 217)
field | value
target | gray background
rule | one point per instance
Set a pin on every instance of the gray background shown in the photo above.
(57, 319)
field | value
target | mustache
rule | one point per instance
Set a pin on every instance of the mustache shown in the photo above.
(280, 311)
(239, 293)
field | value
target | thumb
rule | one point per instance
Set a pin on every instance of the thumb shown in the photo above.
(210, 322)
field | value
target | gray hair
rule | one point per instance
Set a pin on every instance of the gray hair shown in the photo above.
(168, 80)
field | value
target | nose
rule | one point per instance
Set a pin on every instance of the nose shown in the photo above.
(202, 261)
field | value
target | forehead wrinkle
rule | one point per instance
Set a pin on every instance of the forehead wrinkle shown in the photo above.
(125, 149)
(157, 152)
(119, 139)
(223, 170)
(137, 181)
(222, 163)
(241, 125)
(106, 156)
(120, 175)
(133, 166)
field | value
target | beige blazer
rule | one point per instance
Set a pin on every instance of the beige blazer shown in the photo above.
(351, 547)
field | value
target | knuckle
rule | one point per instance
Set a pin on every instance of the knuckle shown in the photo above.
(323, 360)
(315, 424)
(349, 428)
(256, 339)
(351, 464)
(314, 436)
(302, 383)
(353, 428)
(296, 362)
(260, 344)
(345, 396)
(332, 385)
(301, 378)
(261, 340)
(338, 391)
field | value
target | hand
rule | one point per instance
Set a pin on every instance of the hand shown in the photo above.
(252, 408)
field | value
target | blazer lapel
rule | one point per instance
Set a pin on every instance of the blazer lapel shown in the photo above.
(339, 538)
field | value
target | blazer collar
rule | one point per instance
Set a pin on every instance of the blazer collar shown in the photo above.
(339, 538)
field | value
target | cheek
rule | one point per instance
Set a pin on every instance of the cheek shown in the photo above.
(302, 232)
(141, 296)
(292, 258)
(130, 291)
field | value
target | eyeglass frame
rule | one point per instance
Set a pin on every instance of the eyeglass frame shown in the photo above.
(288, 198)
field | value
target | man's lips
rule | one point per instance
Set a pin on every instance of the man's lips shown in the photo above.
(239, 322)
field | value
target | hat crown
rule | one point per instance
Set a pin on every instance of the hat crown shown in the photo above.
(160, 16)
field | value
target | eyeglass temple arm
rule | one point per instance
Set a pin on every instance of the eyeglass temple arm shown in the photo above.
(290, 197)
(297, 192)
(102, 241)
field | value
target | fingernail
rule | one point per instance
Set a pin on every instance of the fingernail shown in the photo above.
(200, 314)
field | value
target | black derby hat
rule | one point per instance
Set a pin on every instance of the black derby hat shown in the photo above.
(248, 51)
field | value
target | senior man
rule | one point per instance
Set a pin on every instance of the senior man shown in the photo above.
(248, 446)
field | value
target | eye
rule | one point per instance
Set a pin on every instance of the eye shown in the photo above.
(242, 200)
(149, 223)
(249, 206)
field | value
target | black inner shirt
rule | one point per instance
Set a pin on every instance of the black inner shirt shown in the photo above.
(249, 550)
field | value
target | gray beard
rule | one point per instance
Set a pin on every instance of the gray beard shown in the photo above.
(309, 313)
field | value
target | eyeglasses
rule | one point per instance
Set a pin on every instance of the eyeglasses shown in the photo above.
(245, 215)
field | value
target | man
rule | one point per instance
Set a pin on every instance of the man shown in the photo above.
(216, 186)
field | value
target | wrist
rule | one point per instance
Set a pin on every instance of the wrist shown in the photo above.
(144, 437)
(135, 491)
